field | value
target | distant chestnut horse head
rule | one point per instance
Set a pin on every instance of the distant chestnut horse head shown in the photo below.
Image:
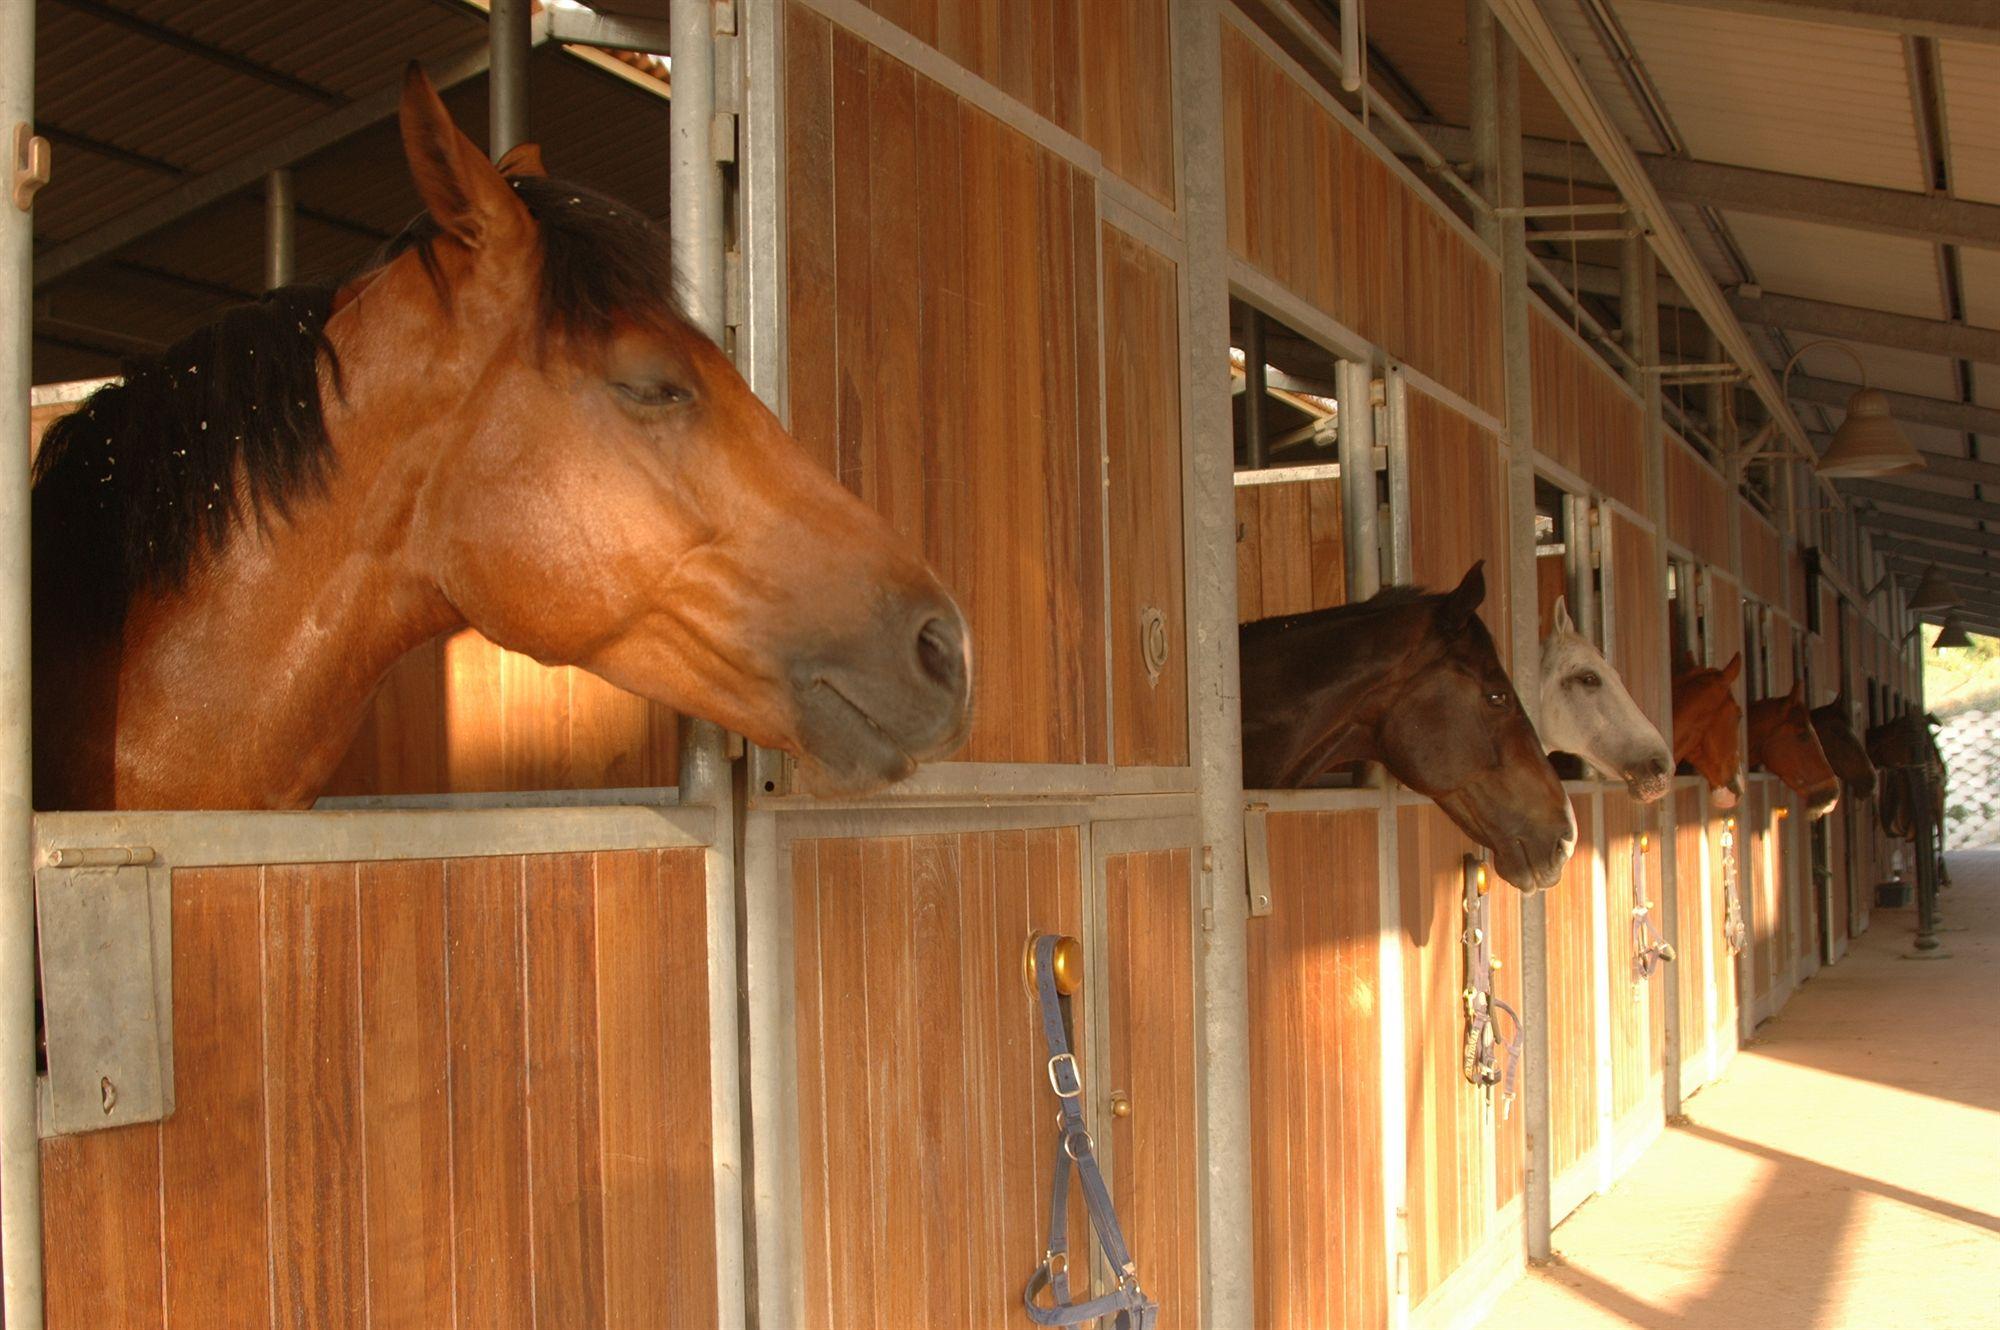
(507, 423)
(1708, 726)
(1834, 724)
(1412, 681)
(1587, 711)
(1784, 742)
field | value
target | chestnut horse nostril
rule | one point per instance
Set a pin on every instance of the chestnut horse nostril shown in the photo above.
(941, 653)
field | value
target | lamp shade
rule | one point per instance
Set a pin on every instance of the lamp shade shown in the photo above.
(1935, 592)
(1869, 442)
(1951, 635)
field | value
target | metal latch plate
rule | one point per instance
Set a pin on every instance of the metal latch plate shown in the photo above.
(107, 995)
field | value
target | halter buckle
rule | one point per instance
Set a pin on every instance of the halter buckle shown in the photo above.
(1075, 1076)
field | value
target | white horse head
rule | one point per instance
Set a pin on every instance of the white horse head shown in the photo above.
(1586, 711)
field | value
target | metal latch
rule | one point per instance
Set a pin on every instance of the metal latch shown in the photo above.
(105, 930)
(1257, 858)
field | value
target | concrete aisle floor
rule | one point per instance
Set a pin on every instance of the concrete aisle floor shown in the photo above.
(1845, 1172)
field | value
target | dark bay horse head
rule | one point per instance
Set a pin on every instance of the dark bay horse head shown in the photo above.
(1708, 726)
(507, 422)
(1785, 743)
(1834, 724)
(1587, 711)
(1906, 754)
(1412, 681)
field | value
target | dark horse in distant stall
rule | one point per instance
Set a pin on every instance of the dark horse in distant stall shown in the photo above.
(506, 422)
(1410, 680)
(1912, 769)
(1834, 724)
(1708, 726)
(1784, 743)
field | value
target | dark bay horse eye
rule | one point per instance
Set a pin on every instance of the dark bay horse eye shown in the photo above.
(1496, 700)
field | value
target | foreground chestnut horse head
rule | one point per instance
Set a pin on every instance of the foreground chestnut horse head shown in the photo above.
(1587, 711)
(507, 423)
(1784, 743)
(1412, 681)
(1834, 724)
(1708, 726)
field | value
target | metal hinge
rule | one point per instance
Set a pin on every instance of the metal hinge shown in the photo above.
(1208, 888)
(105, 927)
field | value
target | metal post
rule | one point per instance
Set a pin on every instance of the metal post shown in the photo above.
(1496, 132)
(280, 233)
(1257, 448)
(1360, 509)
(20, 1148)
(1638, 311)
(1223, 1058)
(699, 229)
(510, 35)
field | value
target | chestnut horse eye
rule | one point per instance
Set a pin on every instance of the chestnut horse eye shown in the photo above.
(653, 394)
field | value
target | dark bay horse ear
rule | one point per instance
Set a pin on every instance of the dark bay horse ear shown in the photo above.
(1733, 668)
(522, 159)
(1463, 599)
(464, 193)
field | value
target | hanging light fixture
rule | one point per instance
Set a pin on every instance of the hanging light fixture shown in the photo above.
(1935, 592)
(1952, 635)
(1869, 442)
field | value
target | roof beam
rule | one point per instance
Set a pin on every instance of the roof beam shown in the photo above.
(1877, 327)
(194, 46)
(1903, 496)
(249, 169)
(1897, 524)
(1912, 407)
(1895, 212)
(1972, 20)
(1954, 560)
(1945, 465)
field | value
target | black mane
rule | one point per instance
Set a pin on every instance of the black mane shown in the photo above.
(1388, 598)
(154, 473)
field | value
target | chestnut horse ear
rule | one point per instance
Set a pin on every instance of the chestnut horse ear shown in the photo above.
(1562, 620)
(463, 192)
(1733, 668)
(1464, 598)
(523, 159)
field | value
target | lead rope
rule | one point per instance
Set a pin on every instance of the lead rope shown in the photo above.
(1127, 1304)
(1482, 1048)
(1653, 949)
(1732, 903)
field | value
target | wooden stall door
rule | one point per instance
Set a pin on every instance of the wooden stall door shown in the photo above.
(1458, 507)
(1724, 1019)
(425, 1093)
(1149, 939)
(1572, 987)
(1637, 1004)
(1316, 1076)
(1693, 942)
(1464, 1159)
(925, 1120)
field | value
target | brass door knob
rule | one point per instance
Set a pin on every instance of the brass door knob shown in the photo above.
(1121, 1104)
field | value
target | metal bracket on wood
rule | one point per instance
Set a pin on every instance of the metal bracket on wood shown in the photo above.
(30, 168)
(1565, 210)
(1257, 858)
(105, 927)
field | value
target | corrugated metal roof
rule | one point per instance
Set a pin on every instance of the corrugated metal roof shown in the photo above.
(1426, 46)
(1580, 36)
(1804, 98)
(1979, 276)
(1888, 367)
(1972, 109)
(1836, 263)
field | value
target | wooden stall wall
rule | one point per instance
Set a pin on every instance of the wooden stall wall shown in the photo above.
(1572, 987)
(1639, 620)
(1314, 209)
(1464, 1156)
(1727, 831)
(1725, 625)
(1143, 435)
(924, 1116)
(1458, 508)
(1764, 572)
(1586, 419)
(1763, 907)
(1316, 1076)
(942, 287)
(1093, 69)
(1694, 943)
(412, 1092)
(1697, 504)
(1290, 556)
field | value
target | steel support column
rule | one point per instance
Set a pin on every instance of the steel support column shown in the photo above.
(1496, 134)
(1214, 708)
(280, 228)
(510, 34)
(20, 1147)
(699, 233)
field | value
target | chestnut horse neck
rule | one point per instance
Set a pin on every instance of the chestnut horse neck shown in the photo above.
(1834, 724)
(1707, 721)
